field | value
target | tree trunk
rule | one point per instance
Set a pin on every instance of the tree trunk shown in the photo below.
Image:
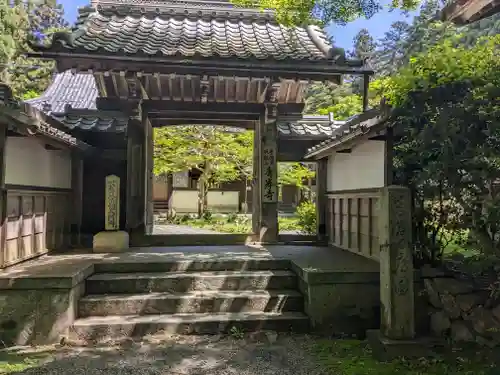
(245, 197)
(201, 194)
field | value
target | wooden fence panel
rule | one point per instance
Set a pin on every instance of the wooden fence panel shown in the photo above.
(353, 221)
(37, 222)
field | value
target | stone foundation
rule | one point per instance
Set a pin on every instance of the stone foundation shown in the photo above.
(463, 311)
(340, 303)
(40, 309)
(111, 242)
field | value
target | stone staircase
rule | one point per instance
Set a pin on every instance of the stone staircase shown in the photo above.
(134, 299)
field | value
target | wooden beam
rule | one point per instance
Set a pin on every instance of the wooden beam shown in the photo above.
(366, 86)
(245, 68)
(101, 85)
(157, 123)
(141, 82)
(223, 116)
(157, 80)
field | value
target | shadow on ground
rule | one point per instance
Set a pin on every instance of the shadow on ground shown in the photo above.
(259, 354)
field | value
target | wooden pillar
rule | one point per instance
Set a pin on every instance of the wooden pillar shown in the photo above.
(148, 175)
(256, 199)
(389, 152)
(3, 193)
(366, 85)
(77, 198)
(134, 203)
(321, 199)
(268, 176)
(396, 264)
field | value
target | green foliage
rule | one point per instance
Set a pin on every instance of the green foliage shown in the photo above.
(21, 21)
(306, 213)
(219, 155)
(294, 174)
(354, 357)
(208, 149)
(447, 104)
(345, 107)
(293, 12)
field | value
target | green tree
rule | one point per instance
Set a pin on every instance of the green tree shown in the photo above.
(22, 22)
(208, 149)
(14, 24)
(345, 107)
(241, 156)
(326, 11)
(447, 102)
(295, 174)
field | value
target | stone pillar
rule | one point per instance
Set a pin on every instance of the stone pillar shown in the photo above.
(321, 199)
(396, 264)
(77, 197)
(268, 176)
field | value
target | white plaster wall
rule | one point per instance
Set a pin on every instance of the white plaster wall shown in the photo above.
(29, 163)
(221, 201)
(363, 168)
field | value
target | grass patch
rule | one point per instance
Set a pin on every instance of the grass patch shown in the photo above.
(240, 224)
(354, 357)
(11, 362)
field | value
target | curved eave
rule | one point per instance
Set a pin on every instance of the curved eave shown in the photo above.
(30, 121)
(362, 125)
(204, 38)
(463, 12)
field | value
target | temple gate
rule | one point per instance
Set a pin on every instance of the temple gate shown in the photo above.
(252, 74)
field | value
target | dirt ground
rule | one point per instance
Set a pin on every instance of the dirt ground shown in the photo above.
(259, 354)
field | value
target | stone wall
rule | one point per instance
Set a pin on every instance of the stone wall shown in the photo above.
(463, 309)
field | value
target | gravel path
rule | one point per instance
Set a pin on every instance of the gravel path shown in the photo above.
(260, 354)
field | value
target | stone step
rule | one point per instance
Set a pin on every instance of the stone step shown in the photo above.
(192, 302)
(182, 282)
(234, 263)
(95, 329)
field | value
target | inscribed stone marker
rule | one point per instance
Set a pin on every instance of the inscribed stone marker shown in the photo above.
(112, 203)
(396, 264)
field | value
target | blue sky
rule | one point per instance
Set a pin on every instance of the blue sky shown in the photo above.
(343, 35)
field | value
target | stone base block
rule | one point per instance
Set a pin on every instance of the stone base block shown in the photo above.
(111, 242)
(385, 349)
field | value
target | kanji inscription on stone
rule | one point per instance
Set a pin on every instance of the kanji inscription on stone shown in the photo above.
(112, 203)
(269, 183)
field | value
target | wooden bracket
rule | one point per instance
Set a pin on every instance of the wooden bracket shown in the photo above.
(204, 87)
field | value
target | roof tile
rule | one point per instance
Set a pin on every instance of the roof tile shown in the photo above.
(71, 99)
(189, 31)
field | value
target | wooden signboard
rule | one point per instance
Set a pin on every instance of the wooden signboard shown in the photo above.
(269, 183)
(112, 202)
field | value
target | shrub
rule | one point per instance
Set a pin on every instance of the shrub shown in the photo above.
(232, 217)
(207, 216)
(306, 213)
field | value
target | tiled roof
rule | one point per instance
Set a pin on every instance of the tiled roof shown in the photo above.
(99, 122)
(355, 125)
(193, 29)
(463, 12)
(71, 99)
(312, 126)
(77, 91)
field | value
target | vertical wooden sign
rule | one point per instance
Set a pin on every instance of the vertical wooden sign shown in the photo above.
(269, 183)
(112, 203)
